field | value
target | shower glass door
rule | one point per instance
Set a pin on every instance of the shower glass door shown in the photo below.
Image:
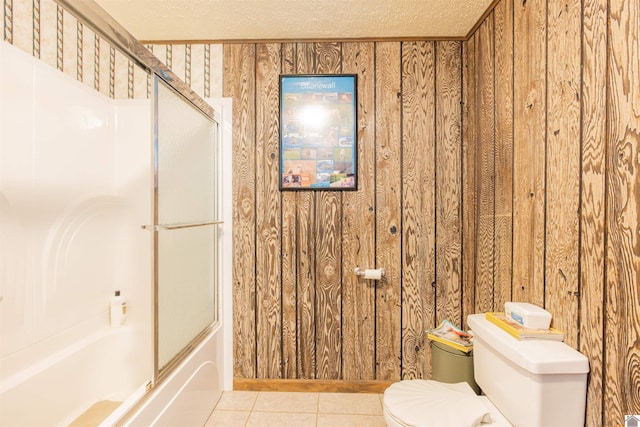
(185, 226)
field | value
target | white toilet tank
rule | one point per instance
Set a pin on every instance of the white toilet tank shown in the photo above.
(532, 383)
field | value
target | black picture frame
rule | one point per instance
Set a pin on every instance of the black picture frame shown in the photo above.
(318, 132)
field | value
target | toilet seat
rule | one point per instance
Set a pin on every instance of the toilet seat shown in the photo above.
(427, 403)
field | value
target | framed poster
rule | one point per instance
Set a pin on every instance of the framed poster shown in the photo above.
(318, 135)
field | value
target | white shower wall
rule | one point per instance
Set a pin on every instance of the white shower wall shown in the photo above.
(74, 191)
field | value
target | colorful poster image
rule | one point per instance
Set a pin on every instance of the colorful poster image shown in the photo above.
(318, 132)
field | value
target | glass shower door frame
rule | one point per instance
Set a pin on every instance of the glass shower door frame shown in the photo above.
(161, 369)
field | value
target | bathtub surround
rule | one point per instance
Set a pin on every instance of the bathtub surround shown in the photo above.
(74, 181)
(27, 372)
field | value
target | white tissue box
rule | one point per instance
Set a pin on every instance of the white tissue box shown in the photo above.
(528, 315)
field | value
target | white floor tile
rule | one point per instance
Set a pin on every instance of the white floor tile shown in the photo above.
(273, 401)
(237, 400)
(281, 419)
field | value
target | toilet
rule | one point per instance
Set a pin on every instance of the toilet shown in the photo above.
(533, 383)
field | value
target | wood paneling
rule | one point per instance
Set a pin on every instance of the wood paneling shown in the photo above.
(485, 172)
(312, 317)
(503, 190)
(388, 206)
(563, 166)
(358, 222)
(622, 310)
(500, 168)
(418, 205)
(592, 208)
(240, 62)
(268, 282)
(448, 204)
(468, 177)
(529, 150)
(289, 261)
(328, 237)
(306, 251)
(571, 73)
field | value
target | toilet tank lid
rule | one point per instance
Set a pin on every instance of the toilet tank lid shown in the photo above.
(536, 356)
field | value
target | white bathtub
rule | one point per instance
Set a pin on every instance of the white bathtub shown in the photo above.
(187, 397)
(57, 388)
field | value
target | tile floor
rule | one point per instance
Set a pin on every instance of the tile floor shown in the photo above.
(271, 408)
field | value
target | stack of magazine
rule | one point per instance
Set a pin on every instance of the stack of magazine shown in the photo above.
(449, 334)
(520, 332)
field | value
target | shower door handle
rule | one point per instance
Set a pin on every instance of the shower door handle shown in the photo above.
(169, 227)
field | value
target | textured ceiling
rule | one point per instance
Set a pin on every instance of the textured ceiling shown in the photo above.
(174, 20)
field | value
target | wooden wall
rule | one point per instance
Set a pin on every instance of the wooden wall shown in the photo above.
(552, 108)
(299, 311)
(499, 168)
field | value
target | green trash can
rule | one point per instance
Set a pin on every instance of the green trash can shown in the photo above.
(449, 365)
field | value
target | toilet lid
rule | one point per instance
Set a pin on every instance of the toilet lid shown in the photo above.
(427, 403)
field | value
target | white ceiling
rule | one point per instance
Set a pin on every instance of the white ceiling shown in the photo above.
(232, 20)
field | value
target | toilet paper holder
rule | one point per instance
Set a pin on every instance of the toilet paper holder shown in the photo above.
(364, 272)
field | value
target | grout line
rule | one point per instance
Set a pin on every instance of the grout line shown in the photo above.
(253, 405)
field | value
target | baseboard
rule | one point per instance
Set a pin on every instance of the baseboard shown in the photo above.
(321, 386)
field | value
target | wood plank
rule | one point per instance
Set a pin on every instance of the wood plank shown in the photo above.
(311, 386)
(305, 228)
(530, 31)
(485, 172)
(358, 232)
(418, 213)
(469, 142)
(622, 309)
(289, 256)
(328, 285)
(328, 253)
(388, 206)
(239, 83)
(592, 208)
(563, 166)
(503, 234)
(268, 282)
(306, 252)
(449, 185)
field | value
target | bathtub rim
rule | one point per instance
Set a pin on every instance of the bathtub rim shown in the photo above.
(145, 395)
